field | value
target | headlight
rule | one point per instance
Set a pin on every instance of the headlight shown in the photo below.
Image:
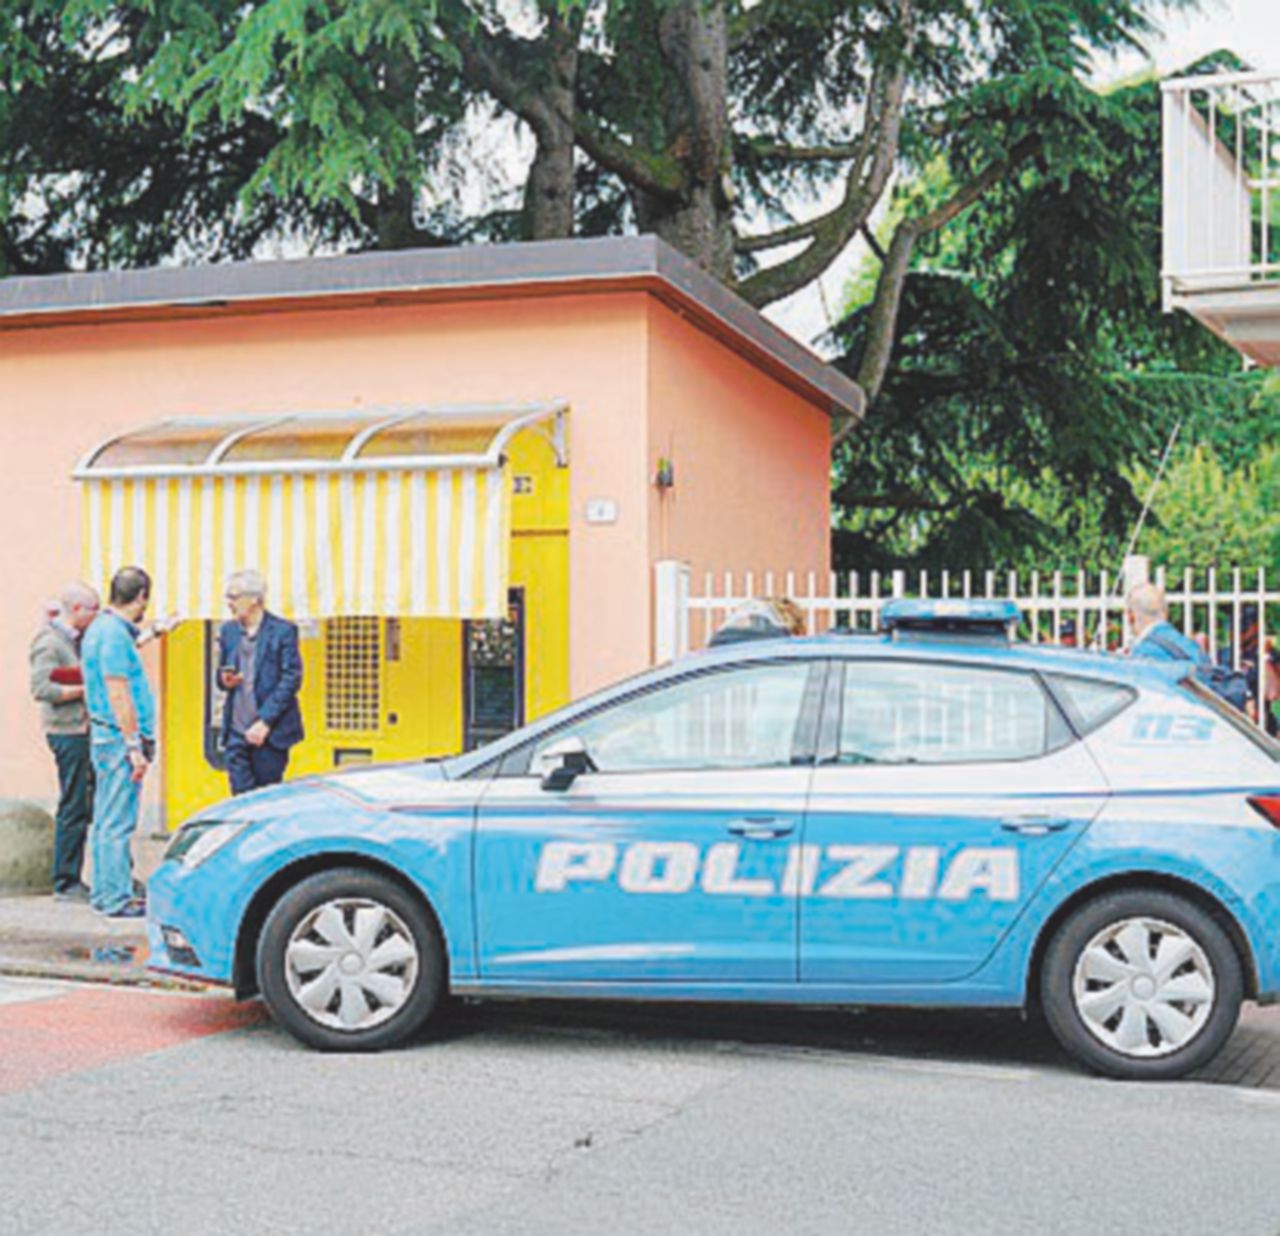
(196, 842)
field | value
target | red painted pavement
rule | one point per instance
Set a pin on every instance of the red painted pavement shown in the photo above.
(87, 1028)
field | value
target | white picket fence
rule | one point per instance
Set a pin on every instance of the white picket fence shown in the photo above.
(1082, 607)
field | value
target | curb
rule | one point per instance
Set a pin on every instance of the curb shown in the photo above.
(15, 967)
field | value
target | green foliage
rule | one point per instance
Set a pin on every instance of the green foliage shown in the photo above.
(134, 130)
(320, 69)
(1205, 514)
(90, 179)
(1034, 379)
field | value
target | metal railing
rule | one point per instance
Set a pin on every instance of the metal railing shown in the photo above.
(1231, 612)
(1221, 138)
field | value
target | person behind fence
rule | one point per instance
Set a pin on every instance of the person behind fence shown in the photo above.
(260, 669)
(1240, 651)
(760, 618)
(1271, 688)
(57, 685)
(122, 730)
(1258, 665)
(1156, 638)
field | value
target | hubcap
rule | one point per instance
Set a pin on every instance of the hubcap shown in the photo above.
(1143, 987)
(351, 964)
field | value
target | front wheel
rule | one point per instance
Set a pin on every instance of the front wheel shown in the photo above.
(350, 961)
(1142, 985)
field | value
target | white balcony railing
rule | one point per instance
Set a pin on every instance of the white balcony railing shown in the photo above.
(1221, 183)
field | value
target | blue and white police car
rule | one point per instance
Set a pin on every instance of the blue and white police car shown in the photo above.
(932, 816)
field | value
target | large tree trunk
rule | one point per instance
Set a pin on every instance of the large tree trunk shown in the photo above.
(394, 210)
(694, 39)
(549, 191)
(394, 215)
(700, 226)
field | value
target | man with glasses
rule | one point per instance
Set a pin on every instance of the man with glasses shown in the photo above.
(122, 729)
(57, 685)
(260, 669)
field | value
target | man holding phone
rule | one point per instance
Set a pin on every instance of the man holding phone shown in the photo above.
(260, 669)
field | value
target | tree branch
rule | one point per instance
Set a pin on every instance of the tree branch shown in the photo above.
(483, 62)
(486, 63)
(748, 24)
(876, 153)
(969, 193)
(652, 174)
(768, 148)
(883, 319)
(872, 243)
(773, 240)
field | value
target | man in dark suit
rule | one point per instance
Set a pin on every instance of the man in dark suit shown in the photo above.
(260, 669)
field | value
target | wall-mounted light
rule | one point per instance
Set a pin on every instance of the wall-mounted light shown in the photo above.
(665, 477)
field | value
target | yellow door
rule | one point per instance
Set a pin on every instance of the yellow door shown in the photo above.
(383, 688)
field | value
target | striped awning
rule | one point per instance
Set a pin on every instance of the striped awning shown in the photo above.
(397, 514)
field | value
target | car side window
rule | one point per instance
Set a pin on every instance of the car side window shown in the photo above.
(917, 712)
(740, 718)
(1091, 703)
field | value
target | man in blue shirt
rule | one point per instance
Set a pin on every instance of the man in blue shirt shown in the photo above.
(1154, 636)
(122, 728)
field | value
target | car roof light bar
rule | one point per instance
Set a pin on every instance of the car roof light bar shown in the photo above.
(982, 618)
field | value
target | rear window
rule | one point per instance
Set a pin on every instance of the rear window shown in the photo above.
(1090, 702)
(1233, 717)
(911, 712)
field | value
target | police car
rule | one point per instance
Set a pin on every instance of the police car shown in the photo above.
(931, 816)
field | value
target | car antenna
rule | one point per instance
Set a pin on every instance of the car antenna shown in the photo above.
(1100, 635)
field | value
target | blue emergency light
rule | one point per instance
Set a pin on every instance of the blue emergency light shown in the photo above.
(947, 617)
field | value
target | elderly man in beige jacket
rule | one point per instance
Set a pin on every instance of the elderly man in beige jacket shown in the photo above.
(57, 687)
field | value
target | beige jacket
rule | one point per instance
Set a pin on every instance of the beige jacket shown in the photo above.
(54, 648)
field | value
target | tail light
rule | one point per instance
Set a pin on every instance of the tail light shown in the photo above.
(1267, 806)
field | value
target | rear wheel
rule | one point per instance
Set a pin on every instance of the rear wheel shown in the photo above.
(350, 961)
(1142, 985)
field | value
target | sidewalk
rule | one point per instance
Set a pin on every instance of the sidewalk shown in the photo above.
(45, 938)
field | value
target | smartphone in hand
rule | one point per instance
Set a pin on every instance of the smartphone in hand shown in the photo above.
(230, 677)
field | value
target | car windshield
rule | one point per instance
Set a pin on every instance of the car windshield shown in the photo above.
(1234, 717)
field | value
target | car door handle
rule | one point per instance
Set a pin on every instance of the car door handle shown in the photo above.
(761, 827)
(1034, 825)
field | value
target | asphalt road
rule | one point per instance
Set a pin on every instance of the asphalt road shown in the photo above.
(131, 1112)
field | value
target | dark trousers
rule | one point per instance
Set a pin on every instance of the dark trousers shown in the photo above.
(250, 768)
(75, 807)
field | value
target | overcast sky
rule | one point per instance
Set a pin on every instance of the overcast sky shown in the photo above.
(1250, 28)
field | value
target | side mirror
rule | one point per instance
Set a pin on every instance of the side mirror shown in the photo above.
(564, 762)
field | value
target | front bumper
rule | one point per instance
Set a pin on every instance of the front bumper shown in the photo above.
(191, 924)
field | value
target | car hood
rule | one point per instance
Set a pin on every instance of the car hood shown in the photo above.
(383, 786)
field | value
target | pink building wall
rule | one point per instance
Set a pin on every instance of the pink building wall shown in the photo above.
(751, 460)
(67, 387)
(641, 381)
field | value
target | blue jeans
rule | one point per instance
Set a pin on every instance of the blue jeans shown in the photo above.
(115, 818)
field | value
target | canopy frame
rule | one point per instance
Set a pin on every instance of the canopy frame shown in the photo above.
(518, 417)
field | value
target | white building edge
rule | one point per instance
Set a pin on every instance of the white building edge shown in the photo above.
(1221, 224)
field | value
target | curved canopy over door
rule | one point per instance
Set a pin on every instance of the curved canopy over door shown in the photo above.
(398, 512)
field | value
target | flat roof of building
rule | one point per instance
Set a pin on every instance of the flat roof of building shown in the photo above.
(555, 267)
